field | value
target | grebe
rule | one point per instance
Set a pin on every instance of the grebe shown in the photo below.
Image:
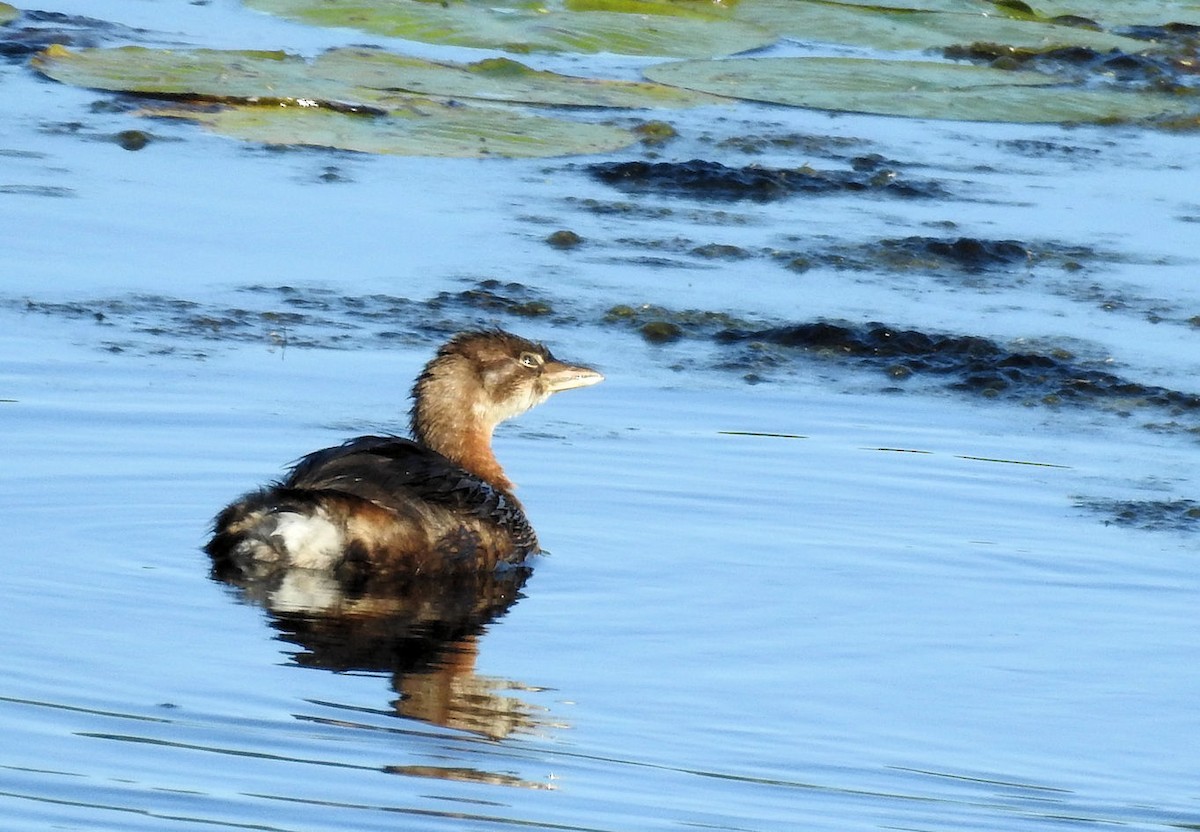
(389, 506)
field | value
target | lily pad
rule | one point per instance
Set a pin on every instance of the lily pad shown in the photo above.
(342, 78)
(282, 99)
(916, 89)
(425, 128)
(884, 28)
(626, 27)
(960, 6)
(1124, 13)
(1107, 14)
(209, 73)
(495, 79)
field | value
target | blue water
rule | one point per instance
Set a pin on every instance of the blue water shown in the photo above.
(808, 603)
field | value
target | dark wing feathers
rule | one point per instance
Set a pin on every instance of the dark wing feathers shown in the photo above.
(391, 471)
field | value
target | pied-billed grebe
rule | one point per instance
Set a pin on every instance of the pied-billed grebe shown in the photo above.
(384, 505)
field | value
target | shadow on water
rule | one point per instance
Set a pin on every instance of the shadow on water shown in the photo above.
(423, 632)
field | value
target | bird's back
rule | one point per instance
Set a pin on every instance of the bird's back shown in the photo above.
(373, 505)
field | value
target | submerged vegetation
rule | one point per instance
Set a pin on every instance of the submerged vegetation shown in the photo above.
(1182, 515)
(757, 349)
(713, 180)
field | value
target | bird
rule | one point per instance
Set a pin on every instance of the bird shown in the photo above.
(437, 503)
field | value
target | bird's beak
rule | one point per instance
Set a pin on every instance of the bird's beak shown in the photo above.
(559, 376)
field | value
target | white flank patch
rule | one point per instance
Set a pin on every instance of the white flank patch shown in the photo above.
(311, 541)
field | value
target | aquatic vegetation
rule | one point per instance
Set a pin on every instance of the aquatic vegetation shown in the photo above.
(1123, 14)
(967, 253)
(912, 26)
(974, 364)
(660, 332)
(713, 180)
(1040, 148)
(426, 128)
(694, 30)
(682, 29)
(626, 27)
(284, 316)
(1164, 71)
(37, 30)
(364, 99)
(967, 363)
(564, 239)
(933, 255)
(691, 322)
(295, 317)
(915, 89)
(720, 251)
(1155, 515)
(417, 104)
(494, 296)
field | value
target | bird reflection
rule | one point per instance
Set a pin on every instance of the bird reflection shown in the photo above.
(423, 632)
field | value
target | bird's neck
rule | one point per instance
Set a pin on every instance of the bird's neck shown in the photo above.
(460, 433)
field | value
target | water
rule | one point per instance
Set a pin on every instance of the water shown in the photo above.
(814, 602)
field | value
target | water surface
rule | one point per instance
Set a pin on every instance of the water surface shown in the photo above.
(829, 599)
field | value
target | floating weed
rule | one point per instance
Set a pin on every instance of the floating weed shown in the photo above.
(1158, 71)
(564, 239)
(703, 215)
(972, 458)
(37, 30)
(971, 364)
(1152, 515)
(657, 323)
(808, 144)
(494, 296)
(1041, 148)
(283, 315)
(761, 434)
(660, 332)
(713, 180)
(966, 261)
(1010, 461)
(297, 317)
(55, 191)
(926, 255)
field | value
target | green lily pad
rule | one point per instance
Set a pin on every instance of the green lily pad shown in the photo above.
(959, 6)
(626, 27)
(282, 99)
(879, 27)
(209, 73)
(495, 79)
(1125, 12)
(1106, 13)
(426, 128)
(916, 89)
(341, 78)
(7, 14)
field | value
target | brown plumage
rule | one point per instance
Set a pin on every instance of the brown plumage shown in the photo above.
(385, 505)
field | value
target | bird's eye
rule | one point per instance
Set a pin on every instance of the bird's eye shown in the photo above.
(531, 360)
